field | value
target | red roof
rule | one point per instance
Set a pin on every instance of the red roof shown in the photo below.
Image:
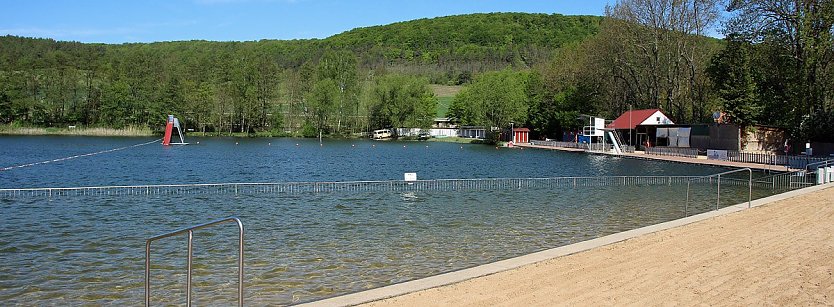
(630, 119)
(521, 129)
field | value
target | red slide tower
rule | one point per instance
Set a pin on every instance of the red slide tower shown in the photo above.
(173, 123)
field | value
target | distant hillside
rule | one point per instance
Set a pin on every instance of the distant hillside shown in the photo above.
(464, 43)
(260, 85)
(495, 38)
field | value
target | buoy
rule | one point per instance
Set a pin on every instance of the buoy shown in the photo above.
(296, 144)
(403, 146)
(235, 143)
(198, 142)
(373, 145)
(269, 144)
(353, 145)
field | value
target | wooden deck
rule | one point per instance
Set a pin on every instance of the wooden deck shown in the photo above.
(700, 160)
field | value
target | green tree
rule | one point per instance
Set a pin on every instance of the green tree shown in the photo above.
(494, 99)
(733, 82)
(322, 99)
(796, 48)
(402, 101)
(340, 67)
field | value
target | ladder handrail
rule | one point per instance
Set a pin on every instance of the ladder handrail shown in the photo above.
(825, 163)
(718, 198)
(190, 231)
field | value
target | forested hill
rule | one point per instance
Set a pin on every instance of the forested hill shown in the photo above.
(261, 85)
(494, 37)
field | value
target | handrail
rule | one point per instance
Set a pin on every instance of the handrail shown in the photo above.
(190, 231)
(825, 163)
(718, 192)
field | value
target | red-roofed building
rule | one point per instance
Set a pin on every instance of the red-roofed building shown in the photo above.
(638, 127)
(632, 119)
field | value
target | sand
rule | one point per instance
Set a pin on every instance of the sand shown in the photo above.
(777, 254)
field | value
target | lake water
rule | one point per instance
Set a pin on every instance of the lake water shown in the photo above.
(299, 246)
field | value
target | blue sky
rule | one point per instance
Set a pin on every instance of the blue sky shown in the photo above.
(117, 21)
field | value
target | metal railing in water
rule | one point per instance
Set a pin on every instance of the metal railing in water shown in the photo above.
(357, 186)
(190, 231)
(718, 181)
(791, 161)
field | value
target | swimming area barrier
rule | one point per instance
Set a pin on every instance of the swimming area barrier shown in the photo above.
(779, 182)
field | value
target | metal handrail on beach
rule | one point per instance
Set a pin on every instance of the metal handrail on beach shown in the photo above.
(825, 163)
(718, 192)
(190, 231)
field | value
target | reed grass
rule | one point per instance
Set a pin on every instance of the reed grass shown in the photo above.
(79, 131)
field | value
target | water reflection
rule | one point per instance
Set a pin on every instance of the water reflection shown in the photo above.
(86, 250)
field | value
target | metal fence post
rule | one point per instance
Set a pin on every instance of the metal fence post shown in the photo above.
(718, 197)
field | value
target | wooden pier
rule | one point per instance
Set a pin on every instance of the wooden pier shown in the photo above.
(699, 160)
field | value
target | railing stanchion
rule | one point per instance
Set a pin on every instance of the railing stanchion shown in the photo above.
(148, 273)
(750, 188)
(188, 275)
(686, 205)
(718, 197)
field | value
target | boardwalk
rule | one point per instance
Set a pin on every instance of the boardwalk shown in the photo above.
(781, 253)
(700, 160)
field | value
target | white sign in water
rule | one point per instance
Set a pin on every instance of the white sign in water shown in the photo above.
(410, 176)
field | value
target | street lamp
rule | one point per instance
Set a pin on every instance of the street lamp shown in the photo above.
(512, 132)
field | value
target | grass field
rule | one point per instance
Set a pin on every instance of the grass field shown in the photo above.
(443, 104)
(445, 90)
(445, 94)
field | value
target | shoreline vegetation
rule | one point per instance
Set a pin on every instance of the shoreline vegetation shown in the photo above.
(6, 130)
(77, 131)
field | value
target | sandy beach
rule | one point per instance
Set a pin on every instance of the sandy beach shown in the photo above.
(776, 254)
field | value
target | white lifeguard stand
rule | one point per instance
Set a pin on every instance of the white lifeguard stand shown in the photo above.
(596, 128)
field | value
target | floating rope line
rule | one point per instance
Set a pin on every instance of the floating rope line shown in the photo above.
(77, 156)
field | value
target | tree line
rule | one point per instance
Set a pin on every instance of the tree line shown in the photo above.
(360, 80)
(541, 71)
(772, 68)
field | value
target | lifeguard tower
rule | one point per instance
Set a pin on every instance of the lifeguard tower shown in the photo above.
(173, 123)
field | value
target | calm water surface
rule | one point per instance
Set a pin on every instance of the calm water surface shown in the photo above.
(300, 247)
